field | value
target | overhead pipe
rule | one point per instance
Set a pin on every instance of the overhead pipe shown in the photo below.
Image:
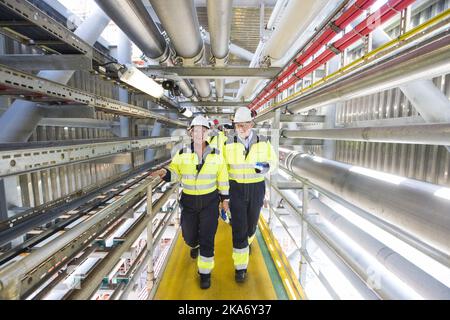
(179, 19)
(386, 12)
(133, 19)
(430, 134)
(416, 207)
(295, 18)
(328, 34)
(219, 23)
(432, 104)
(26, 113)
(234, 49)
(430, 60)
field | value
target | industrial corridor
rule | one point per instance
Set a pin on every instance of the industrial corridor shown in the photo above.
(225, 150)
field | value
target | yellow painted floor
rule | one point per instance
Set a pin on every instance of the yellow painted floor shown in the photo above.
(180, 280)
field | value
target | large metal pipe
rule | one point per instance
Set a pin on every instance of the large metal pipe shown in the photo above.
(432, 134)
(179, 19)
(385, 284)
(418, 208)
(133, 19)
(416, 278)
(219, 23)
(296, 17)
(424, 62)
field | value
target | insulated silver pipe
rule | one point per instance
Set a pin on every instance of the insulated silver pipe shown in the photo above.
(219, 24)
(418, 208)
(133, 19)
(429, 60)
(416, 66)
(433, 134)
(416, 278)
(385, 284)
(179, 19)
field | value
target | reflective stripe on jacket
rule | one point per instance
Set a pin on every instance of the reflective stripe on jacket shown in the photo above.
(241, 162)
(200, 176)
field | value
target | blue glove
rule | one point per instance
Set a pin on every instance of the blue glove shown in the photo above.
(262, 167)
(226, 216)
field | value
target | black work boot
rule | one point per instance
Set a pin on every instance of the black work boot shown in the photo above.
(205, 281)
(239, 275)
(194, 253)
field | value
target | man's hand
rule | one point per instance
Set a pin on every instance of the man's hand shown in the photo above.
(262, 167)
(226, 205)
(159, 173)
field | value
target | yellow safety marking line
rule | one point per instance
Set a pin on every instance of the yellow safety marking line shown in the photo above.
(289, 279)
(180, 280)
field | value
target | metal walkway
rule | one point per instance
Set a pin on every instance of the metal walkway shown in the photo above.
(181, 282)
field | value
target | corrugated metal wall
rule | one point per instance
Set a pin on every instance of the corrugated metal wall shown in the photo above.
(421, 162)
(42, 186)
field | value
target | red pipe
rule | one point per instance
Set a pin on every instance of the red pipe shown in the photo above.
(346, 18)
(387, 11)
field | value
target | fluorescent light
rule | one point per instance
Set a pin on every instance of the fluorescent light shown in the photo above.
(137, 79)
(187, 113)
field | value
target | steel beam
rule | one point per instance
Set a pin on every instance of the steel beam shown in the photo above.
(67, 111)
(302, 118)
(37, 62)
(215, 104)
(299, 142)
(430, 134)
(78, 123)
(211, 72)
(18, 277)
(20, 158)
(14, 82)
(23, 11)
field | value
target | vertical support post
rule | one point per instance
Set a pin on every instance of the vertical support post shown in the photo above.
(275, 141)
(3, 206)
(303, 252)
(405, 19)
(150, 271)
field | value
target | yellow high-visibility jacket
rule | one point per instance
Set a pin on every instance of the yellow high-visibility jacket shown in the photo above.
(200, 176)
(241, 162)
(218, 140)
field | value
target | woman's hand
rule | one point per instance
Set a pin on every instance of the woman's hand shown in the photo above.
(159, 173)
(226, 205)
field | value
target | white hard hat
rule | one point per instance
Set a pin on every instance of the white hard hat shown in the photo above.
(200, 121)
(243, 114)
